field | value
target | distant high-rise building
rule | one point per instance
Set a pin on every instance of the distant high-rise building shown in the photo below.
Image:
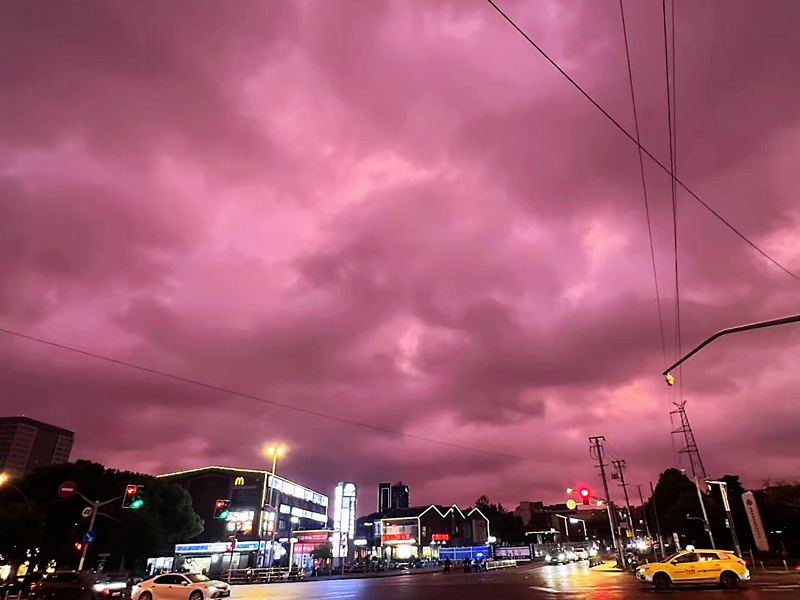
(26, 444)
(399, 495)
(384, 496)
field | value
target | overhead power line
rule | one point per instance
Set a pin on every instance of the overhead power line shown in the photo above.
(672, 116)
(645, 150)
(644, 184)
(225, 390)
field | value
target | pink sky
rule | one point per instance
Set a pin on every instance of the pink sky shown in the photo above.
(397, 212)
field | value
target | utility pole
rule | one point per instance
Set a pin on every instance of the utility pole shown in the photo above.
(658, 523)
(620, 466)
(644, 512)
(598, 455)
(695, 462)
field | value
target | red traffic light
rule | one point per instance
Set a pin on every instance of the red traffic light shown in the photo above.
(130, 490)
(220, 503)
(78, 546)
(584, 492)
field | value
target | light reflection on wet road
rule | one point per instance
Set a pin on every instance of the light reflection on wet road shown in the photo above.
(574, 581)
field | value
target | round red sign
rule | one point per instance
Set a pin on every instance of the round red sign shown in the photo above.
(66, 489)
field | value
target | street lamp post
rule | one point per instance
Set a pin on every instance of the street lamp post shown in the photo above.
(4, 481)
(274, 452)
(730, 330)
(723, 488)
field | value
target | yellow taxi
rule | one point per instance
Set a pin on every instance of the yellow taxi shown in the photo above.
(696, 566)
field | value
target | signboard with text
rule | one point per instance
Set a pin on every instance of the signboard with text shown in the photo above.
(399, 531)
(756, 525)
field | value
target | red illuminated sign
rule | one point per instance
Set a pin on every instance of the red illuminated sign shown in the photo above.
(440, 537)
(395, 537)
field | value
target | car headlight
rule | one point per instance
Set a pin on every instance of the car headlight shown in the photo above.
(548, 557)
(560, 557)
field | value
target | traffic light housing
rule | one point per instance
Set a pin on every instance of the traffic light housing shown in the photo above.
(585, 494)
(222, 509)
(132, 498)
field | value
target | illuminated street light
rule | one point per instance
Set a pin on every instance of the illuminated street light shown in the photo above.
(4, 480)
(274, 452)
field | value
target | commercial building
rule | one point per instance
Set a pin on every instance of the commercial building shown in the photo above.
(419, 531)
(26, 444)
(249, 517)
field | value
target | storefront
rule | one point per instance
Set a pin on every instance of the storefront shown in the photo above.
(214, 559)
(400, 538)
(304, 544)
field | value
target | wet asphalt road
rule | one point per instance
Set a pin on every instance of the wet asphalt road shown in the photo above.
(574, 581)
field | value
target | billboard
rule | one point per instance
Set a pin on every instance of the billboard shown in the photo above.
(515, 552)
(756, 526)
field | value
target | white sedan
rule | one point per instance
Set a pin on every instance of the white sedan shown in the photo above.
(180, 586)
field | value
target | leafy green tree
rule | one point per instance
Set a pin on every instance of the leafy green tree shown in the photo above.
(322, 552)
(56, 524)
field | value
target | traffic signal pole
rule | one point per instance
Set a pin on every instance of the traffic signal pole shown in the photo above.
(95, 505)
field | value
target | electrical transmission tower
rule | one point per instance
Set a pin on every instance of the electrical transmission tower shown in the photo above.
(690, 448)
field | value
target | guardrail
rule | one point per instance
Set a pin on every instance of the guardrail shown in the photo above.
(262, 575)
(491, 565)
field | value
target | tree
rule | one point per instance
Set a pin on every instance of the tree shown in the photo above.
(53, 525)
(780, 511)
(322, 552)
(676, 497)
(504, 525)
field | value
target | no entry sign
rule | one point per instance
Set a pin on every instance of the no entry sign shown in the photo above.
(66, 489)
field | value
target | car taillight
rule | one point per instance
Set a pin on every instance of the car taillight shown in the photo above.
(742, 562)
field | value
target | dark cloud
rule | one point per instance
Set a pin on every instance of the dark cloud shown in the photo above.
(397, 214)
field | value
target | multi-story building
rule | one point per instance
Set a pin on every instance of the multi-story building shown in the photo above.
(26, 444)
(249, 493)
(399, 495)
(392, 496)
(384, 496)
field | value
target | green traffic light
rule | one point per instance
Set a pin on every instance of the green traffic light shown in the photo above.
(224, 514)
(136, 504)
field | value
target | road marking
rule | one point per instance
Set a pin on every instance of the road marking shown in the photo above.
(548, 590)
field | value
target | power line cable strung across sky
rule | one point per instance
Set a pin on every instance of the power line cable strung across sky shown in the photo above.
(645, 150)
(256, 398)
(673, 164)
(644, 184)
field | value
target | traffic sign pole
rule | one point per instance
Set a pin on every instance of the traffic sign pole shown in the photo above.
(91, 528)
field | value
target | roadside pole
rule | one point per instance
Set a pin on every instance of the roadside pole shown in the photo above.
(595, 440)
(95, 505)
(644, 512)
(705, 515)
(723, 488)
(658, 523)
(620, 465)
